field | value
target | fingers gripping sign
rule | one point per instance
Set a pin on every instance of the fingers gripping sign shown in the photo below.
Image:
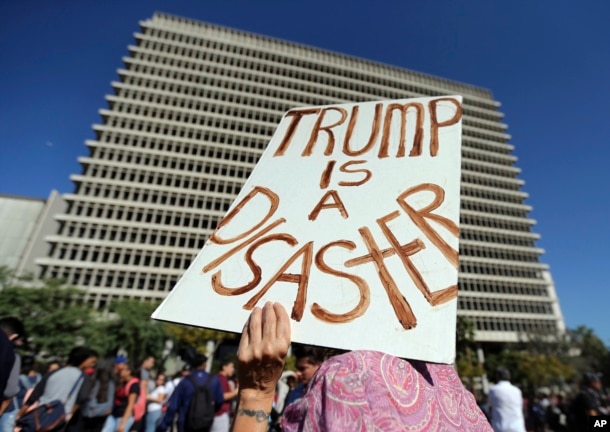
(262, 349)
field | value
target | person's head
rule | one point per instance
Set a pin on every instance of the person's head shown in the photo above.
(308, 361)
(227, 368)
(119, 363)
(592, 380)
(82, 357)
(502, 374)
(53, 366)
(199, 361)
(126, 373)
(185, 371)
(291, 381)
(27, 364)
(148, 363)
(13, 327)
(160, 380)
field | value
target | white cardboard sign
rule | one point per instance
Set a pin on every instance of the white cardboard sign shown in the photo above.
(350, 220)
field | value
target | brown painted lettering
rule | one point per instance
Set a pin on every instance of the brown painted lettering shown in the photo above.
(222, 258)
(296, 115)
(363, 288)
(434, 298)
(301, 279)
(322, 204)
(326, 174)
(344, 168)
(435, 125)
(254, 267)
(315, 132)
(419, 131)
(421, 217)
(401, 306)
(274, 201)
(350, 129)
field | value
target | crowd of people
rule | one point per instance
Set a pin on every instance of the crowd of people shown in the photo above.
(350, 391)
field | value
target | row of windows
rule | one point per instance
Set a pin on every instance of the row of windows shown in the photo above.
(503, 287)
(508, 306)
(192, 166)
(168, 218)
(498, 253)
(113, 279)
(207, 146)
(524, 326)
(494, 195)
(496, 238)
(487, 156)
(489, 181)
(491, 207)
(495, 147)
(499, 270)
(201, 108)
(142, 234)
(149, 179)
(486, 169)
(482, 221)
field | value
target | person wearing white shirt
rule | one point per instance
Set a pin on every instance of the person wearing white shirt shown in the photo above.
(506, 403)
(155, 403)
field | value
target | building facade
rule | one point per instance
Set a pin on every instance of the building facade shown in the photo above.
(191, 113)
(24, 224)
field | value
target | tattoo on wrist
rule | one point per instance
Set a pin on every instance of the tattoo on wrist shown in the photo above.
(259, 415)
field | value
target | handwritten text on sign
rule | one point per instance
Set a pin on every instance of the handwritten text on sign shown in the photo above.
(352, 210)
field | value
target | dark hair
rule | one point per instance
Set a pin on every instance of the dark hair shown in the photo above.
(198, 361)
(79, 354)
(27, 364)
(226, 361)
(312, 354)
(502, 374)
(12, 325)
(104, 375)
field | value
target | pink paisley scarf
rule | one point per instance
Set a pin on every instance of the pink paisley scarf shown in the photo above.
(372, 391)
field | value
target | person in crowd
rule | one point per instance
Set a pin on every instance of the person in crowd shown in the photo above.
(100, 402)
(12, 331)
(179, 402)
(222, 420)
(308, 361)
(66, 384)
(146, 386)
(155, 401)
(506, 402)
(355, 391)
(53, 366)
(556, 415)
(128, 390)
(588, 401)
(120, 362)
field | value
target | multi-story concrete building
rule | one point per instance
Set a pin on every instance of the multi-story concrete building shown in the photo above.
(192, 112)
(24, 224)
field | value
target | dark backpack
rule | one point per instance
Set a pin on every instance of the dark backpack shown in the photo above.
(200, 414)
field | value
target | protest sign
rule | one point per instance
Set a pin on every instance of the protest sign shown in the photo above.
(350, 220)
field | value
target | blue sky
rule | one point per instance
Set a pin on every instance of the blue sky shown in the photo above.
(547, 62)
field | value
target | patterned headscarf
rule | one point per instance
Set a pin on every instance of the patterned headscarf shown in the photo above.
(373, 391)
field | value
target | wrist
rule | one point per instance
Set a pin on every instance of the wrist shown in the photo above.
(255, 398)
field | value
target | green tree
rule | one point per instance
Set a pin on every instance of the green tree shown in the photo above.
(133, 330)
(467, 362)
(54, 319)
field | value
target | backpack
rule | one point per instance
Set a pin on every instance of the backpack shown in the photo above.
(200, 414)
(139, 407)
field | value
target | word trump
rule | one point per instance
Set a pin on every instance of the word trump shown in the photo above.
(313, 257)
(381, 126)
